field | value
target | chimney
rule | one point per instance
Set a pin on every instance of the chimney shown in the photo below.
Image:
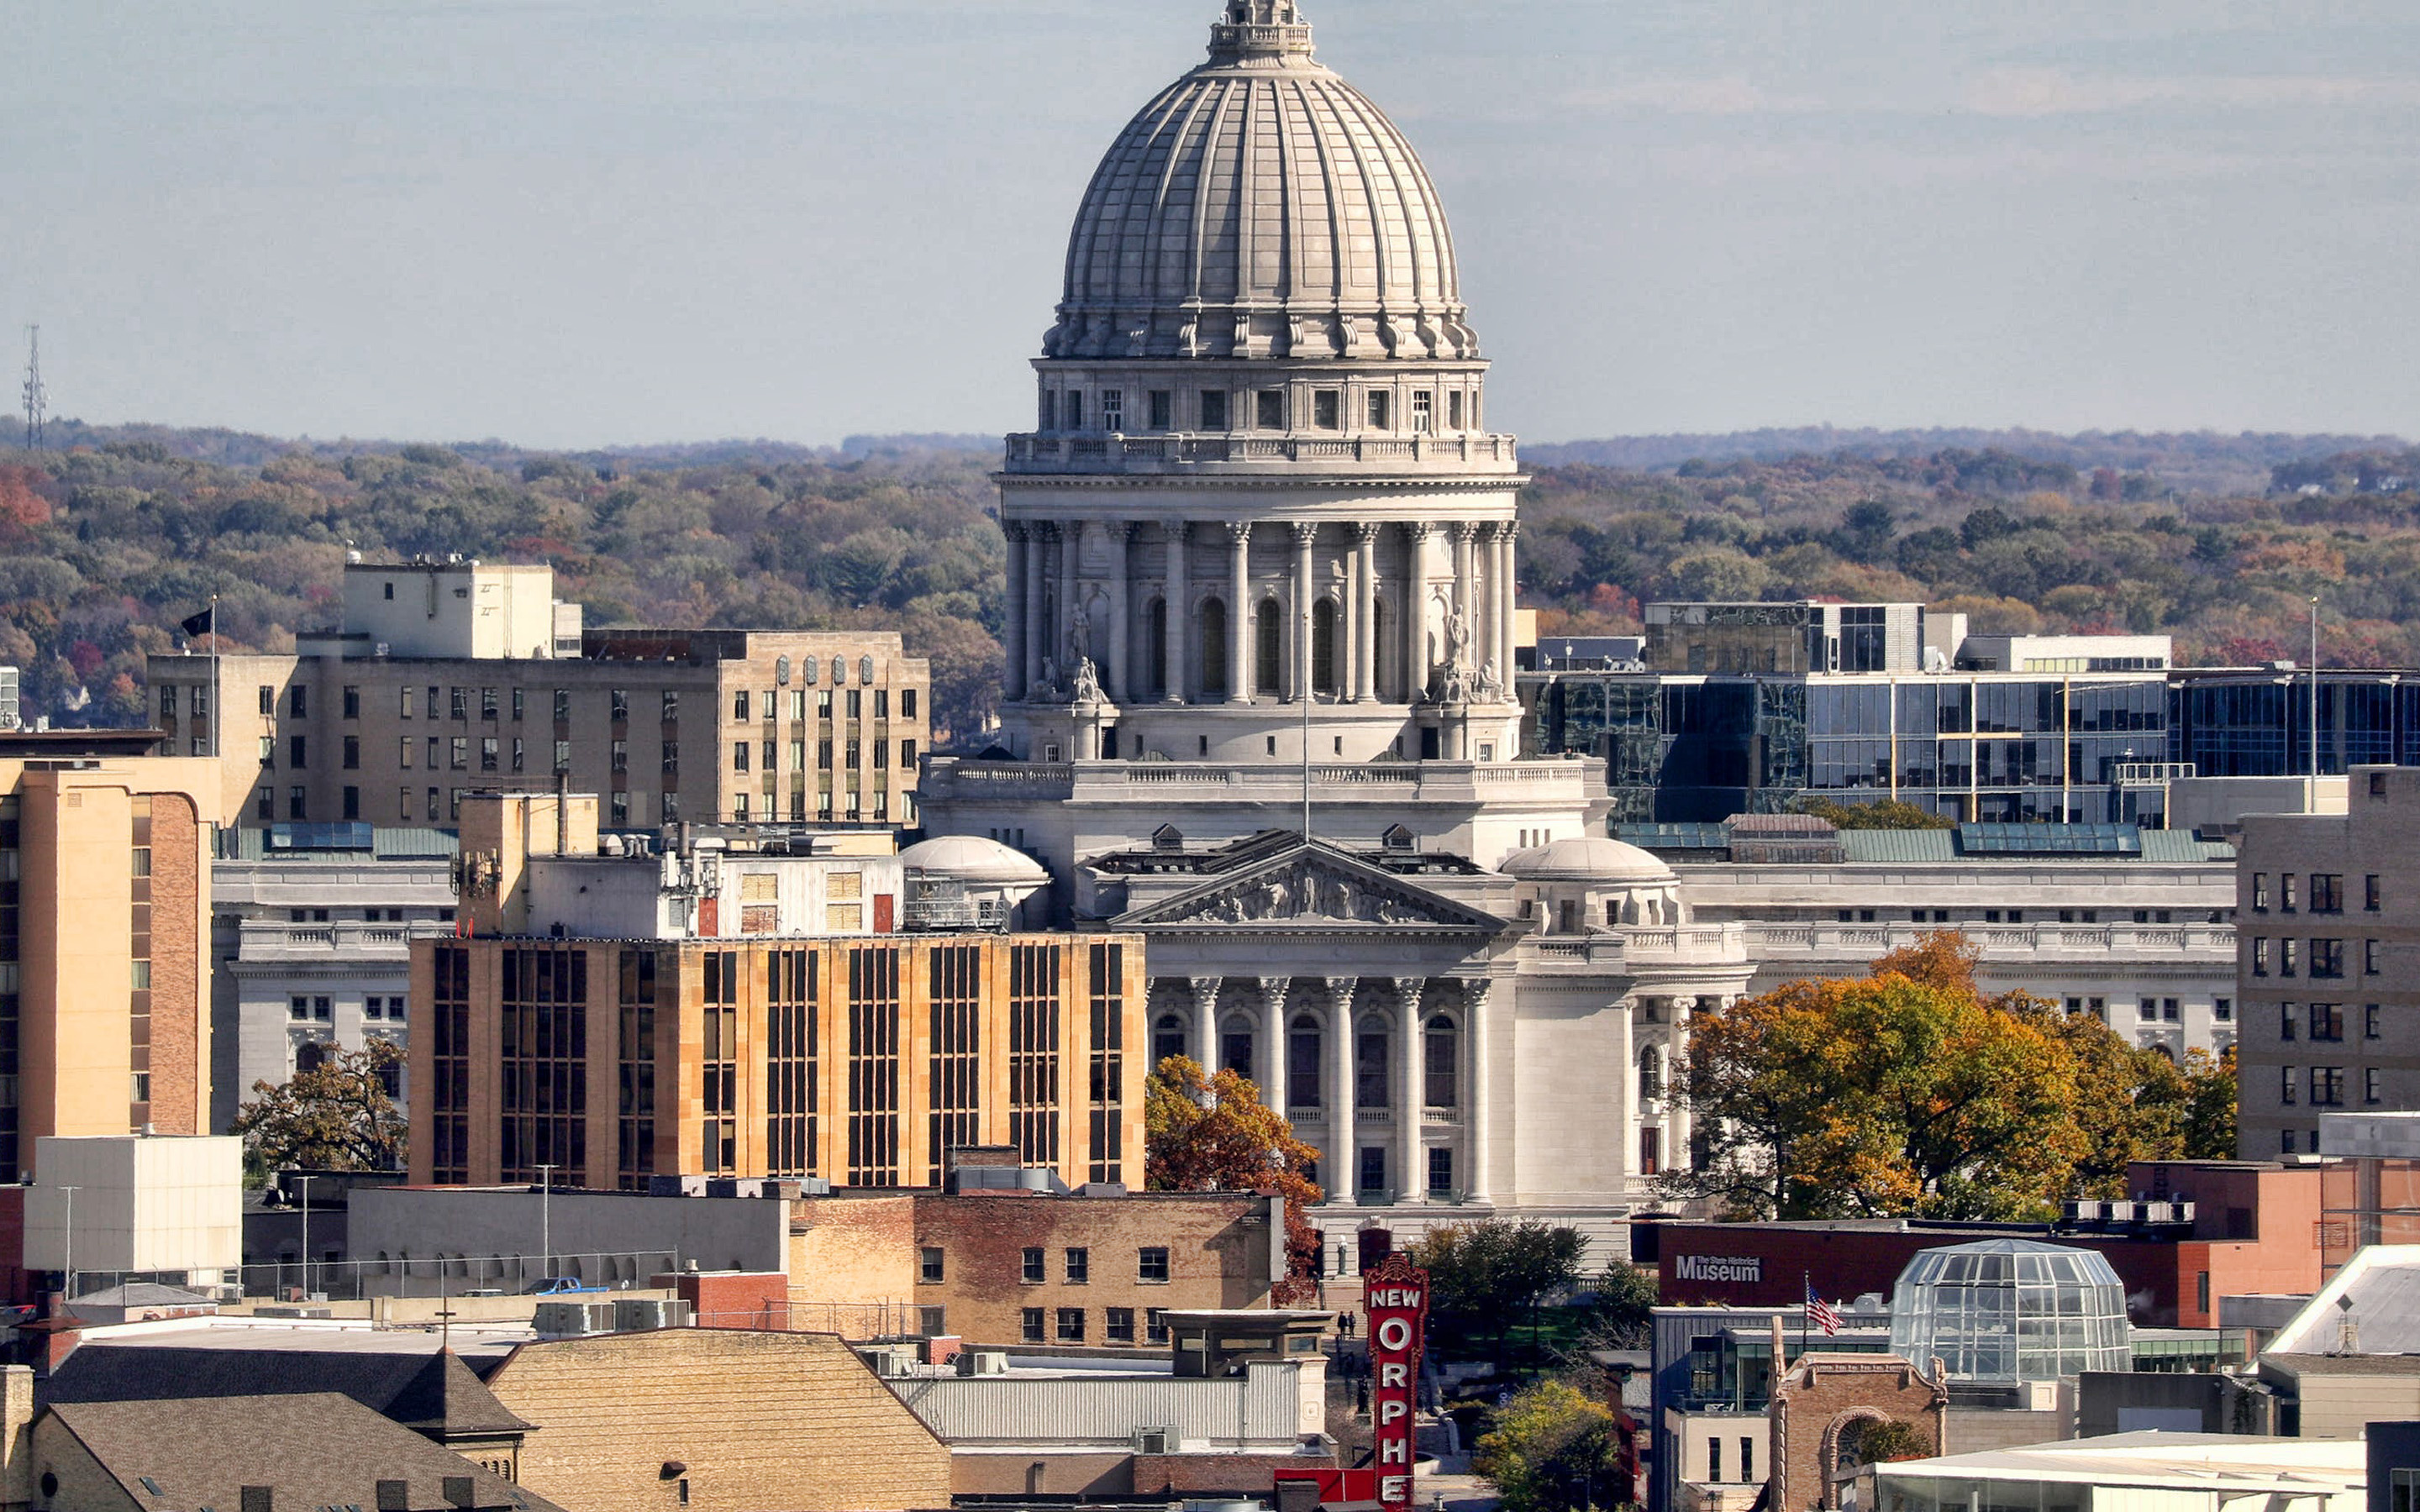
(459, 1491)
(394, 1496)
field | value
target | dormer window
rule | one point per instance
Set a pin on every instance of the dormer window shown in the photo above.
(1168, 837)
(1398, 839)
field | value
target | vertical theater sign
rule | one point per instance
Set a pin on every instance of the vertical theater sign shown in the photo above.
(1396, 1302)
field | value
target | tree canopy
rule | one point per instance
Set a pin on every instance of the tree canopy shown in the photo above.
(1886, 813)
(1910, 1092)
(1552, 1450)
(1482, 1274)
(1214, 1133)
(338, 1116)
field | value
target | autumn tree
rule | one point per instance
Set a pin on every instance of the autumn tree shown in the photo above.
(338, 1116)
(1482, 1274)
(2209, 1104)
(1906, 1091)
(1552, 1450)
(1214, 1133)
(1886, 814)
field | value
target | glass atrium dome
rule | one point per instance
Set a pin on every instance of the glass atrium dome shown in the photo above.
(2009, 1310)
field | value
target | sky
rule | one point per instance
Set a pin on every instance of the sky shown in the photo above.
(584, 222)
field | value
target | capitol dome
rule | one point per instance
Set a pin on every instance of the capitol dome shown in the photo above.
(1262, 207)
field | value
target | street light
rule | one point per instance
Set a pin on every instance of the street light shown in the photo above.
(70, 1266)
(546, 1222)
(306, 1237)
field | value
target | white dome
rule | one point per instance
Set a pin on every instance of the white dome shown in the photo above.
(1261, 206)
(970, 859)
(1595, 858)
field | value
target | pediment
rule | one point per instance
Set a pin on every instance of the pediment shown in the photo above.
(1312, 887)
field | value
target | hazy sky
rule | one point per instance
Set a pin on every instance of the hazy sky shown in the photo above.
(582, 222)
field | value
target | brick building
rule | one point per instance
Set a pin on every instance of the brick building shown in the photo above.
(1821, 1404)
(104, 968)
(394, 717)
(2328, 908)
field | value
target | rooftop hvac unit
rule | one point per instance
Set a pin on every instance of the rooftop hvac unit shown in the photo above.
(890, 1360)
(2118, 1213)
(982, 1363)
(573, 1319)
(639, 1315)
(1154, 1440)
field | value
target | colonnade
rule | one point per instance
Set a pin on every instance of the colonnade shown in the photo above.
(1382, 575)
(1255, 1023)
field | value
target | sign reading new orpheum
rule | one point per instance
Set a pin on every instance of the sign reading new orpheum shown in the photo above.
(1719, 1269)
(1396, 1298)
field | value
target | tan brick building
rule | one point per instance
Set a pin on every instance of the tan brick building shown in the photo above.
(1821, 1406)
(2328, 965)
(861, 1058)
(395, 718)
(104, 971)
(714, 1419)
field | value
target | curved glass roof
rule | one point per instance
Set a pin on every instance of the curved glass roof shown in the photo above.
(2010, 1310)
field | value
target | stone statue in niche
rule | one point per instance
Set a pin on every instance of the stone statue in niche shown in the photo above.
(1491, 686)
(1049, 683)
(1088, 681)
(1080, 635)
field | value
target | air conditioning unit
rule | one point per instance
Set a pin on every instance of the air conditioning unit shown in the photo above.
(982, 1363)
(639, 1315)
(2119, 1213)
(573, 1319)
(892, 1361)
(1154, 1440)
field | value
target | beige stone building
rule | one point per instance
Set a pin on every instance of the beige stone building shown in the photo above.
(449, 678)
(2329, 922)
(104, 966)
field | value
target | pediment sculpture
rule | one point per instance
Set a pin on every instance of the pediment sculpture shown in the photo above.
(1307, 892)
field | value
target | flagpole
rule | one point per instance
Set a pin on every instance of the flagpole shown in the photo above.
(1805, 1306)
(218, 694)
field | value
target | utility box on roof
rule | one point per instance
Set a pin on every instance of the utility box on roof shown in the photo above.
(141, 1204)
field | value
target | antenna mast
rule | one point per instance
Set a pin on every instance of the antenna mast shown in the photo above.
(36, 401)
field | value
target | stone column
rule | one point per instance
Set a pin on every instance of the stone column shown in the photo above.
(1273, 1041)
(1508, 601)
(1463, 534)
(1487, 630)
(1012, 622)
(1071, 588)
(1206, 1021)
(1626, 1152)
(1365, 614)
(1038, 625)
(1416, 613)
(1178, 591)
(1345, 1145)
(1412, 1177)
(1478, 1144)
(1121, 535)
(1304, 534)
(1239, 612)
(1676, 1108)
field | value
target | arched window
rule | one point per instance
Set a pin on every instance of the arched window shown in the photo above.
(1370, 1083)
(1442, 1061)
(840, 670)
(1235, 1048)
(309, 1056)
(1305, 1046)
(1157, 635)
(1167, 1038)
(1323, 647)
(1268, 641)
(1651, 1074)
(865, 669)
(1214, 648)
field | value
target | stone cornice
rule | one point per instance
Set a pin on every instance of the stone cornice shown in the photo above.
(1439, 483)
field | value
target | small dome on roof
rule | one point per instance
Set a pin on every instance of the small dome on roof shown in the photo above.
(972, 858)
(1592, 858)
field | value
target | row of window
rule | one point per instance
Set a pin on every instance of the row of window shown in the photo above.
(314, 1010)
(2327, 1086)
(2324, 1022)
(1034, 1266)
(2017, 916)
(2325, 959)
(1264, 410)
(853, 704)
(1037, 1325)
(2326, 892)
(436, 702)
(745, 754)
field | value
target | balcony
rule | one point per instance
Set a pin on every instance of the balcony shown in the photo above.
(1275, 784)
(1634, 945)
(348, 940)
(2213, 944)
(1179, 453)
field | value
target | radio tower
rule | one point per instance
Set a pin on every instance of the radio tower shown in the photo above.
(36, 400)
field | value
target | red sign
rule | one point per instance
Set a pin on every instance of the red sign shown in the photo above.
(1395, 1299)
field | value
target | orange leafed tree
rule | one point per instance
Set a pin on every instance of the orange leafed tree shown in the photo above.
(1214, 1133)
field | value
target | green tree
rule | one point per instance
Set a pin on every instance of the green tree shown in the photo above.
(1888, 813)
(1482, 1274)
(338, 1116)
(1552, 1450)
(1214, 1133)
(1625, 1297)
(2209, 1104)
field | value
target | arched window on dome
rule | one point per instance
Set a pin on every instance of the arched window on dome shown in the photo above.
(1323, 647)
(1441, 1062)
(1651, 1074)
(1167, 1038)
(1155, 633)
(1305, 1048)
(1214, 648)
(1268, 641)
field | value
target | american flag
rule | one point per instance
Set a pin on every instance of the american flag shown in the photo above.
(1820, 1313)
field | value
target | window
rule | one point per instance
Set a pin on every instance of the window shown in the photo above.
(1213, 410)
(1747, 1462)
(2259, 957)
(521, 755)
(621, 706)
(1423, 413)
(2260, 892)
(1163, 415)
(1117, 1325)
(1325, 413)
(1033, 1273)
(1031, 1325)
(739, 756)
(2369, 1022)
(296, 747)
(2171, 1010)
(739, 707)
(907, 703)
(2369, 893)
(298, 700)
(563, 755)
(520, 705)
(458, 753)
(351, 800)
(1071, 1325)
(1151, 1266)
(1714, 1459)
(404, 700)
(1154, 1325)
(1079, 1267)
(487, 703)
(1453, 409)
(2327, 958)
(488, 754)
(1650, 1151)
(403, 806)
(352, 703)
(298, 1009)
(297, 804)
(1113, 410)
(268, 750)
(1268, 409)
(1075, 410)
(2286, 892)
(563, 705)
(2327, 893)
(2289, 1085)
(2289, 1021)
(2369, 1092)
(2149, 1010)
(1440, 1173)
(2327, 1021)
(352, 756)
(1049, 409)
(2286, 952)
(932, 1263)
(458, 703)
(430, 701)
(2369, 958)
(2223, 1010)
(1381, 411)
(2327, 1086)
